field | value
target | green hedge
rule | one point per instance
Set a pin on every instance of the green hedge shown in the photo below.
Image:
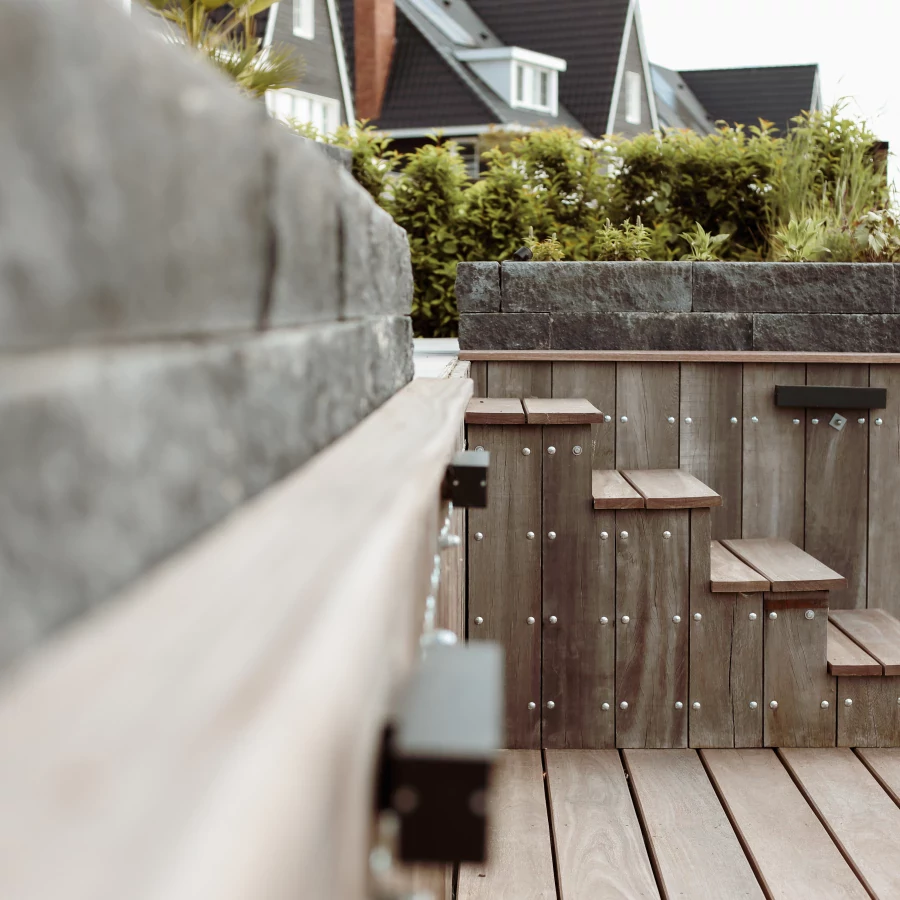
(749, 183)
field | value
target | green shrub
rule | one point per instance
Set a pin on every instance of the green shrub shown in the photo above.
(705, 247)
(548, 250)
(626, 244)
(801, 240)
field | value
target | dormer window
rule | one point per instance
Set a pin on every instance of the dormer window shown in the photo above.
(522, 78)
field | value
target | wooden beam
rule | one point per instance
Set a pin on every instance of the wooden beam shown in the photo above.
(699, 356)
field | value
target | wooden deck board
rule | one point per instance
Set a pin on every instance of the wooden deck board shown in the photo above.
(520, 863)
(846, 657)
(611, 491)
(788, 567)
(561, 411)
(695, 849)
(730, 575)
(876, 631)
(885, 767)
(599, 846)
(671, 489)
(861, 818)
(788, 846)
(495, 411)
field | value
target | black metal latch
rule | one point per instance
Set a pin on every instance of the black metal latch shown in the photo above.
(465, 483)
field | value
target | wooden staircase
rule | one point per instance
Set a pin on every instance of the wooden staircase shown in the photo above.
(625, 626)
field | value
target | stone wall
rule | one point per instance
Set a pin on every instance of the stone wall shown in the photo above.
(679, 306)
(193, 302)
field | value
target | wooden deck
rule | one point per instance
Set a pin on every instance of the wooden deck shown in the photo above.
(710, 824)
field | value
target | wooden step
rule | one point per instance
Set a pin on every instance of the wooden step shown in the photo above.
(787, 566)
(875, 631)
(495, 411)
(671, 489)
(730, 575)
(611, 491)
(846, 657)
(557, 411)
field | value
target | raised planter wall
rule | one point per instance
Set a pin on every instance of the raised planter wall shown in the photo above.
(836, 307)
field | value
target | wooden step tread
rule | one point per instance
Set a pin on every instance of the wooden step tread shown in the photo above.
(846, 657)
(671, 489)
(495, 411)
(556, 411)
(612, 491)
(730, 575)
(787, 566)
(875, 631)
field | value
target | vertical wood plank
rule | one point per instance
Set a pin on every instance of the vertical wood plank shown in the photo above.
(595, 382)
(787, 846)
(578, 581)
(884, 490)
(837, 487)
(519, 863)
(599, 846)
(652, 586)
(796, 678)
(647, 395)
(505, 570)
(774, 467)
(695, 849)
(873, 719)
(710, 445)
(437, 880)
(519, 379)
(726, 656)
(451, 596)
(478, 374)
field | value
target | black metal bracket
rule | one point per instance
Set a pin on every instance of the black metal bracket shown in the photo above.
(465, 483)
(439, 752)
(830, 397)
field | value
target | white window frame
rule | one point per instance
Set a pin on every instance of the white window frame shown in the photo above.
(634, 89)
(304, 19)
(529, 97)
(311, 109)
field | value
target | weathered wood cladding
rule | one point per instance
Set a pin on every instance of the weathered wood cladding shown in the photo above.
(779, 474)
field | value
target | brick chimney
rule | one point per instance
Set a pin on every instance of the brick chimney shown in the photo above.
(374, 27)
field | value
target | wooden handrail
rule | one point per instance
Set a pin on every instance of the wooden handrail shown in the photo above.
(211, 734)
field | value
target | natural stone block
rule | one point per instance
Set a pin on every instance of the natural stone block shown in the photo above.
(113, 459)
(504, 331)
(360, 297)
(304, 216)
(134, 183)
(392, 268)
(651, 331)
(478, 287)
(827, 333)
(794, 287)
(597, 287)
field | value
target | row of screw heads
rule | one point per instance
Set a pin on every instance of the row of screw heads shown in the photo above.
(773, 704)
(526, 451)
(697, 617)
(734, 420)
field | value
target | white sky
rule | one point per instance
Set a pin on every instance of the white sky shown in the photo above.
(856, 44)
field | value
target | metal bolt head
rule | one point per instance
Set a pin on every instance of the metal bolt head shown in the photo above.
(695, 705)
(604, 707)
(754, 704)
(861, 420)
(697, 617)
(879, 421)
(848, 702)
(577, 450)
(551, 704)
(671, 420)
(479, 620)
(623, 705)
(824, 704)
(530, 620)
(552, 620)
(753, 617)
(815, 421)
(734, 420)
(773, 615)
(796, 421)
(526, 451)
(607, 418)
(688, 420)
(667, 535)
(773, 704)
(679, 704)
(604, 535)
(676, 619)
(551, 450)
(810, 614)
(479, 536)
(754, 419)
(626, 620)
(529, 535)
(623, 419)
(604, 620)
(405, 800)
(532, 705)
(551, 535)
(479, 447)
(623, 535)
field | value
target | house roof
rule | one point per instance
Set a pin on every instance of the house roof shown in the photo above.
(588, 34)
(774, 93)
(676, 104)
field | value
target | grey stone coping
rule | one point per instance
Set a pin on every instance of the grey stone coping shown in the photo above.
(478, 287)
(111, 459)
(504, 331)
(837, 333)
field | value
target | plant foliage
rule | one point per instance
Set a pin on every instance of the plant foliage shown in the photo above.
(629, 243)
(548, 250)
(705, 247)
